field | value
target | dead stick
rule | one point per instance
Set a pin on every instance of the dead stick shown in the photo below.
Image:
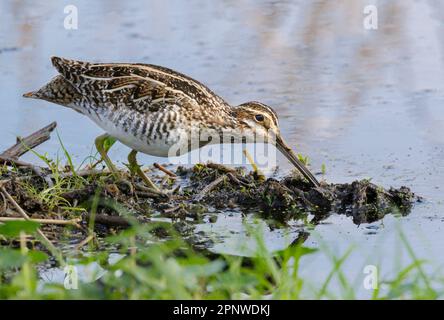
(234, 179)
(149, 191)
(165, 170)
(23, 145)
(111, 221)
(73, 222)
(14, 162)
(210, 187)
(173, 209)
(220, 167)
(84, 241)
(5, 204)
(252, 163)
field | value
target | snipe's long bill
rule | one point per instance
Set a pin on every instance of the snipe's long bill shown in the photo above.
(153, 109)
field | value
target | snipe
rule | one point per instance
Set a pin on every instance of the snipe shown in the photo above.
(155, 110)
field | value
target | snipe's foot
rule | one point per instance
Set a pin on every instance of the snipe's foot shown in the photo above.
(136, 169)
(103, 143)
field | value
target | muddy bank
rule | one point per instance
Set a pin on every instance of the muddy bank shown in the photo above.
(193, 194)
(61, 198)
(293, 197)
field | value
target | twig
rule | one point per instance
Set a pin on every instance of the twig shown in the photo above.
(165, 170)
(73, 222)
(172, 209)
(23, 145)
(234, 179)
(112, 221)
(148, 194)
(209, 188)
(221, 167)
(253, 164)
(5, 204)
(22, 212)
(151, 192)
(14, 162)
(85, 241)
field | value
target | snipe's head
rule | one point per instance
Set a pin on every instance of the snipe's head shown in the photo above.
(258, 121)
(58, 90)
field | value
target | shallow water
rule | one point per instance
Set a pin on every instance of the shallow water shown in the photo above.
(366, 103)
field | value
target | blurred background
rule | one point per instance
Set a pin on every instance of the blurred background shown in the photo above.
(365, 103)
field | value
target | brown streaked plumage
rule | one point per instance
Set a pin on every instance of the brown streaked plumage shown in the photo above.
(153, 109)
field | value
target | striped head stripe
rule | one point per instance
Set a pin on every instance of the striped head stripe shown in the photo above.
(255, 106)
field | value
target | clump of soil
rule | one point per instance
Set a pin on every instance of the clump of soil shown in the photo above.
(293, 197)
(193, 195)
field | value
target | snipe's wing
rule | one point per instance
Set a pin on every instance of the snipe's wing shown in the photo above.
(142, 87)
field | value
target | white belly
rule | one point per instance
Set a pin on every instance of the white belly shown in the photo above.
(160, 147)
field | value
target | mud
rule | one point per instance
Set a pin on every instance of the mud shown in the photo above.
(294, 198)
(195, 195)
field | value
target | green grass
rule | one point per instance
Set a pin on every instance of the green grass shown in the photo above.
(51, 197)
(173, 270)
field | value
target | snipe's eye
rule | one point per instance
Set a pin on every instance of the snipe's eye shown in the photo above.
(259, 117)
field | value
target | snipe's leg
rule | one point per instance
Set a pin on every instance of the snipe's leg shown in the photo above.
(135, 169)
(103, 150)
